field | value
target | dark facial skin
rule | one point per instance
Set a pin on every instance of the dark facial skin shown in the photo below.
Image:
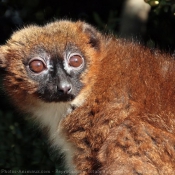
(58, 78)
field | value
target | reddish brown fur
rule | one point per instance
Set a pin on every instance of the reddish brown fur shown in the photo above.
(126, 121)
(53, 38)
(127, 124)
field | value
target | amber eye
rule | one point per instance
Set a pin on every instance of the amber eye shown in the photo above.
(37, 66)
(75, 61)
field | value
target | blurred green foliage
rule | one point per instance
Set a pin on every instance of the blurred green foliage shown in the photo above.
(22, 146)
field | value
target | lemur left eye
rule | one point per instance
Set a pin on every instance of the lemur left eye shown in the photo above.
(37, 66)
(75, 61)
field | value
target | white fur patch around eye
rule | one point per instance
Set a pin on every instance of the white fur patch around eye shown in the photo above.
(48, 63)
(68, 68)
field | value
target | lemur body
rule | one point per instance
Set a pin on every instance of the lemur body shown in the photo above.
(108, 103)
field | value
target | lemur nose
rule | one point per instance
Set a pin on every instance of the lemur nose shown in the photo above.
(64, 88)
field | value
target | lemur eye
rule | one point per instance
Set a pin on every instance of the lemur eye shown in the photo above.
(37, 66)
(75, 61)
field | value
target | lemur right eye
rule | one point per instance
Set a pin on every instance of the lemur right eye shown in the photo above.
(37, 65)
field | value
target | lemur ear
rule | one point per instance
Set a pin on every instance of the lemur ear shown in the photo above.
(3, 61)
(93, 34)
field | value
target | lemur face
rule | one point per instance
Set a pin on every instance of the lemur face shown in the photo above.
(49, 62)
(58, 74)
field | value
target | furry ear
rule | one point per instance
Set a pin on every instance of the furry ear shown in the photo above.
(93, 35)
(3, 61)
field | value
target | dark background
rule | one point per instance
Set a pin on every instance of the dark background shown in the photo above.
(22, 146)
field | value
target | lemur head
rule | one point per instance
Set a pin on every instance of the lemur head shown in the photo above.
(50, 63)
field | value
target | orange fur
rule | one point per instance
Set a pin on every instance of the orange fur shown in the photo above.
(127, 124)
(124, 120)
